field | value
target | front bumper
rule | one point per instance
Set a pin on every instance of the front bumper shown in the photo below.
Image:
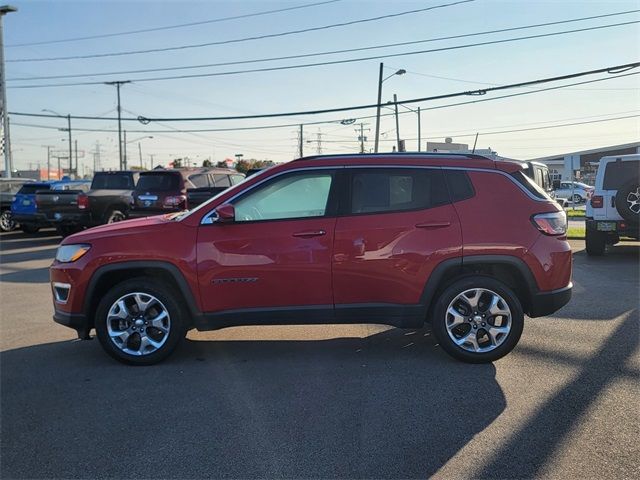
(545, 303)
(77, 321)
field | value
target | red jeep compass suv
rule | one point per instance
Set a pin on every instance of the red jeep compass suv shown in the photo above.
(466, 243)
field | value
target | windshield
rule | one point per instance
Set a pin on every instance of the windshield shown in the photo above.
(158, 182)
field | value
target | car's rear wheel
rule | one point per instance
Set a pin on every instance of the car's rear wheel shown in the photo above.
(478, 319)
(6, 222)
(140, 322)
(115, 216)
(577, 198)
(596, 242)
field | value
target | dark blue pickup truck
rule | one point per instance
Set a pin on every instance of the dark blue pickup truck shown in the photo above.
(24, 208)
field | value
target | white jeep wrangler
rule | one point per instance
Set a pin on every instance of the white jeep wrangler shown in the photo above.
(614, 208)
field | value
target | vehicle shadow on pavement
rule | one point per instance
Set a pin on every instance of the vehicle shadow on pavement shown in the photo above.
(391, 405)
(17, 240)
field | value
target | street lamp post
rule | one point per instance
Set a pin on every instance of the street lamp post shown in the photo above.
(139, 147)
(68, 129)
(3, 96)
(419, 130)
(379, 104)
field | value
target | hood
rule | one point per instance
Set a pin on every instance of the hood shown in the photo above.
(117, 229)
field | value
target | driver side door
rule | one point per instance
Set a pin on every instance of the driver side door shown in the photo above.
(276, 255)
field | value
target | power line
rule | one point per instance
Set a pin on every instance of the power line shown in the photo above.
(393, 140)
(289, 125)
(315, 54)
(170, 27)
(336, 62)
(245, 39)
(611, 70)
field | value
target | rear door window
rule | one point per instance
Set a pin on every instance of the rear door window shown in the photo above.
(236, 179)
(619, 173)
(396, 190)
(221, 180)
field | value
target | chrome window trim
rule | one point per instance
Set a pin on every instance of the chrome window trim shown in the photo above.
(207, 221)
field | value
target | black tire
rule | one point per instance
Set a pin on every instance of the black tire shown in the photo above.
(628, 201)
(176, 313)
(115, 215)
(6, 222)
(439, 319)
(28, 228)
(596, 242)
(577, 198)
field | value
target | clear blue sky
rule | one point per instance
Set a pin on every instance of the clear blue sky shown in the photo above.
(320, 87)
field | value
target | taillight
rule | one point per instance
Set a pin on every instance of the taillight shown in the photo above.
(551, 223)
(83, 202)
(175, 201)
(597, 201)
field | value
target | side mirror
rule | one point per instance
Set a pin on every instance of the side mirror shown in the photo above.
(556, 184)
(226, 213)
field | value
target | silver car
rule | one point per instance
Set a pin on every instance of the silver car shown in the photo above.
(578, 193)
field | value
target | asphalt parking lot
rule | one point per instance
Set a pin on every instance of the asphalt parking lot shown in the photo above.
(324, 402)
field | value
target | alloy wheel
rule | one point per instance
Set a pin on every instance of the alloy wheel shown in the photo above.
(138, 324)
(633, 199)
(6, 222)
(478, 320)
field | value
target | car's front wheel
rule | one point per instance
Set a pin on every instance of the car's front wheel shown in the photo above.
(140, 322)
(478, 319)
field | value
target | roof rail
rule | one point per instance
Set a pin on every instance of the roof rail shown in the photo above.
(470, 156)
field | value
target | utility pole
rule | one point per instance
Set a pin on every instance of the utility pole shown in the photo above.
(361, 137)
(48, 161)
(118, 84)
(96, 158)
(8, 161)
(419, 135)
(123, 165)
(319, 140)
(76, 148)
(395, 101)
(301, 142)
(140, 154)
(378, 107)
(70, 150)
(151, 161)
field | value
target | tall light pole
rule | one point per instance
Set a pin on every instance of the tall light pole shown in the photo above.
(68, 129)
(379, 104)
(3, 96)
(139, 147)
(118, 84)
(419, 132)
(395, 104)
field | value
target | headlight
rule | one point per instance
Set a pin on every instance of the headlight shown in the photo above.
(71, 253)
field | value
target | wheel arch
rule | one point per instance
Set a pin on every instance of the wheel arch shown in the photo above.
(508, 269)
(107, 276)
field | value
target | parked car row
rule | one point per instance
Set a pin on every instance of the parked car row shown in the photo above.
(72, 206)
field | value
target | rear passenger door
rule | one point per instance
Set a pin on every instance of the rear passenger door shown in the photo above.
(397, 224)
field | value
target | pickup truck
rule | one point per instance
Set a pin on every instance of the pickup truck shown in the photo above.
(24, 209)
(108, 201)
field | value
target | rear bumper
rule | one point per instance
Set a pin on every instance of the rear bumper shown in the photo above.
(80, 218)
(545, 303)
(620, 227)
(38, 219)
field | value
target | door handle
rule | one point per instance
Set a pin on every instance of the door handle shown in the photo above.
(310, 233)
(433, 225)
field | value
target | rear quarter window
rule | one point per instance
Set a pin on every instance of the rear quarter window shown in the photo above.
(459, 185)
